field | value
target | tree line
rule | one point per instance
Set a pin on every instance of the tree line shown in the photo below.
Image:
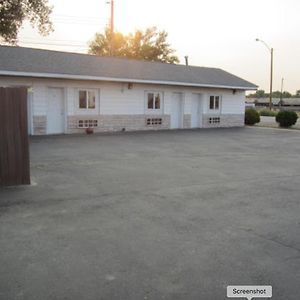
(275, 94)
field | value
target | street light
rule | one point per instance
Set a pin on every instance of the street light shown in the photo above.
(271, 73)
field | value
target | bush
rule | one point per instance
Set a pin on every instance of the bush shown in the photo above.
(286, 118)
(251, 116)
(268, 113)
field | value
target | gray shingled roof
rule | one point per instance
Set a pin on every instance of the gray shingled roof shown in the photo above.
(45, 63)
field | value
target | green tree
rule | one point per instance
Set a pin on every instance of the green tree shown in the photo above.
(297, 95)
(276, 94)
(14, 12)
(108, 44)
(258, 94)
(150, 44)
(286, 94)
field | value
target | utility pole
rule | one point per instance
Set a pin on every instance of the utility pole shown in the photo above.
(271, 73)
(112, 16)
(112, 27)
(111, 2)
(271, 81)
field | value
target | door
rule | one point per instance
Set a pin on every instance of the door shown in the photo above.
(55, 111)
(176, 111)
(196, 115)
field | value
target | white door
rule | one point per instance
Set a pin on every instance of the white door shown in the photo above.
(176, 110)
(196, 107)
(55, 111)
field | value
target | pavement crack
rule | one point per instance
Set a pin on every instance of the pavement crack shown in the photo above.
(273, 240)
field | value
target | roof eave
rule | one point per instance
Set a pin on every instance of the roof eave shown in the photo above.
(114, 79)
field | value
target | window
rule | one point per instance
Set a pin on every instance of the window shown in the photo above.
(87, 99)
(217, 102)
(150, 100)
(87, 123)
(211, 102)
(214, 102)
(157, 101)
(214, 120)
(154, 100)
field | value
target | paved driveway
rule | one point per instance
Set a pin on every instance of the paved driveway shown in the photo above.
(166, 215)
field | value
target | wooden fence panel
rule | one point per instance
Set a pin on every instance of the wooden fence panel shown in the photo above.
(14, 144)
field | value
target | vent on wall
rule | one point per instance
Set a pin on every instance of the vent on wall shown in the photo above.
(87, 123)
(214, 120)
(154, 121)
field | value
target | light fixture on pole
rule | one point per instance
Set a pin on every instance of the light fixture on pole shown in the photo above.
(271, 71)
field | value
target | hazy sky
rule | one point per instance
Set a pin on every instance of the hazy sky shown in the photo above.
(213, 33)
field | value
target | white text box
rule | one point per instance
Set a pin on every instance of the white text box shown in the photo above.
(249, 291)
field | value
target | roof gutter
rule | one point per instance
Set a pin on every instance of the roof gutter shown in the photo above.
(112, 79)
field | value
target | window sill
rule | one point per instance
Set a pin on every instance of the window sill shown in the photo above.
(214, 112)
(153, 112)
(82, 111)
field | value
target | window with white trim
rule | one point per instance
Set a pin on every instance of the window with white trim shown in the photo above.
(86, 99)
(214, 102)
(154, 101)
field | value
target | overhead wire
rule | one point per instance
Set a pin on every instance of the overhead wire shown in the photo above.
(66, 19)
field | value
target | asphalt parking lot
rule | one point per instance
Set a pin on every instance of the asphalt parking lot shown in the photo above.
(156, 215)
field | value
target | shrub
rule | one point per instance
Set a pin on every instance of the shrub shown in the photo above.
(268, 113)
(286, 118)
(251, 116)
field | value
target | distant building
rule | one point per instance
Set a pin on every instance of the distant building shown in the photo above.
(292, 103)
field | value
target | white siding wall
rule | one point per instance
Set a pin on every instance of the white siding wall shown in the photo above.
(39, 99)
(187, 103)
(233, 103)
(117, 98)
(167, 102)
(70, 107)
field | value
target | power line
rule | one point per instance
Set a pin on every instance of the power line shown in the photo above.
(77, 17)
(76, 21)
(55, 44)
(74, 17)
(29, 39)
(72, 20)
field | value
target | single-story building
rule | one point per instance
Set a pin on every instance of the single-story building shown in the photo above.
(69, 92)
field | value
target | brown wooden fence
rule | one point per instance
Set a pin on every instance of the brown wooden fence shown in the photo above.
(14, 144)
